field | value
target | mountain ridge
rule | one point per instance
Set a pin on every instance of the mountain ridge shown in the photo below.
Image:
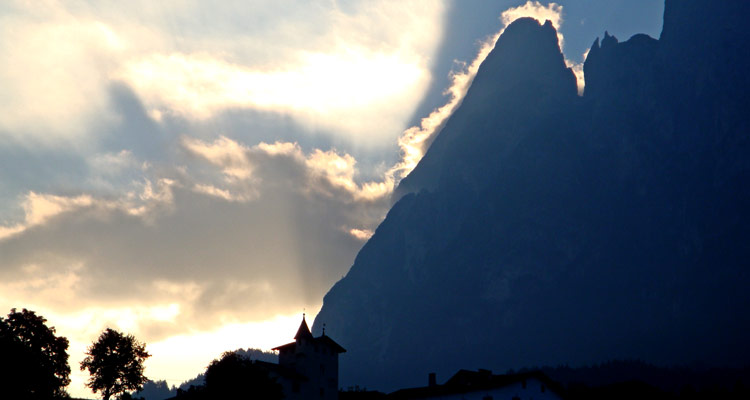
(542, 227)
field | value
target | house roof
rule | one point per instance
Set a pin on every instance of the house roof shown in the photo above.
(465, 381)
(324, 340)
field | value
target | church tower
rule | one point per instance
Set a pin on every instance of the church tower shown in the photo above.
(315, 361)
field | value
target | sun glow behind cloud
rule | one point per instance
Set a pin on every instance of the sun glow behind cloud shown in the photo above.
(346, 89)
(356, 73)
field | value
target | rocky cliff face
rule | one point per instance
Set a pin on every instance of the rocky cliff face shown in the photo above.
(544, 228)
(524, 77)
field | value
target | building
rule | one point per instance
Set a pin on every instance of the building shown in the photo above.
(308, 367)
(483, 385)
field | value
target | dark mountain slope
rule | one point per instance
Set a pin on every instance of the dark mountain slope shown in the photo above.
(496, 112)
(545, 228)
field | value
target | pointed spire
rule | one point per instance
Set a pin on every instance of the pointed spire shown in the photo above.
(303, 331)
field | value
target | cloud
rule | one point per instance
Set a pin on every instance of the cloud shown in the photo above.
(41, 208)
(224, 152)
(355, 72)
(361, 234)
(324, 173)
(415, 141)
(346, 90)
(145, 200)
(49, 93)
(135, 212)
(243, 261)
(110, 163)
(268, 224)
(38, 208)
(577, 69)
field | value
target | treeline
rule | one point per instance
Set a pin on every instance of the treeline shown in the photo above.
(235, 375)
(34, 366)
(160, 390)
(34, 361)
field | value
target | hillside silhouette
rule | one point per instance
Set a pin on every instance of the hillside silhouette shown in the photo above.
(546, 228)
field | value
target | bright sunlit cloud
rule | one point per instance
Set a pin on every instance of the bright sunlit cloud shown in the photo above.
(328, 173)
(346, 90)
(49, 92)
(415, 141)
(355, 72)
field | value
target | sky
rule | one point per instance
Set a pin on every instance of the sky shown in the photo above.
(198, 174)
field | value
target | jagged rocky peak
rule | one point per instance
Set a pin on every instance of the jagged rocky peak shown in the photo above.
(609, 40)
(526, 66)
(528, 51)
(628, 65)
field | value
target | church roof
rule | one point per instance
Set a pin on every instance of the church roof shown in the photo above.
(304, 332)
(330, 343)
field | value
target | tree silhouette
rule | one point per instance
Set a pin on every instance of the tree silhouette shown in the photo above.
(235, 376)
(115, 363)
(33, 361)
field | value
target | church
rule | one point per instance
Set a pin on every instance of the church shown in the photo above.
(308, 367)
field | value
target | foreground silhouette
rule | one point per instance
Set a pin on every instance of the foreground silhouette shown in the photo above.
(234, 376)
(115, 362)
(33, 361)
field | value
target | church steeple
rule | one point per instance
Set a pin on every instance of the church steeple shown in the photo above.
(309, 364)
(303, 331)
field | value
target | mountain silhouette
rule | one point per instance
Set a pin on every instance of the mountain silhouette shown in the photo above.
(545, 228)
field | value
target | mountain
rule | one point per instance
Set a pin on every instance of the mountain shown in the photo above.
(544, 228)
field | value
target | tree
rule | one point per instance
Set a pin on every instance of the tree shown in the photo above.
(115, 363)
(235, 376)
(33, 361)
